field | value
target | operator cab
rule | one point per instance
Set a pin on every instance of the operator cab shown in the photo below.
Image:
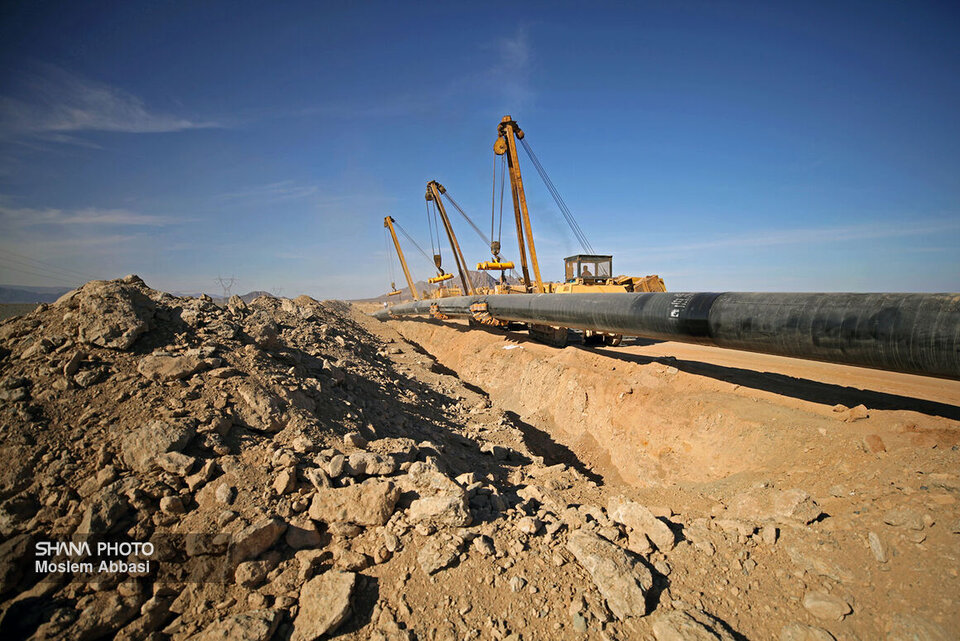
(587, 268)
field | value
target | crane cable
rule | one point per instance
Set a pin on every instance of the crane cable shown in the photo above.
(567, 214)
(413, 242)
(467, 218)
(432, 223)
(503, 179)
(386, 247)
(493, 198)
(493, 211)
(426, 204)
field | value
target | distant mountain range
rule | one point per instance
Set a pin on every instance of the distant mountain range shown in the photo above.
(249, 296)
(30, 294)
(479, 279)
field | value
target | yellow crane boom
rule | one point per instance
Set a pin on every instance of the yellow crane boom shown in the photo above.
(434, 189)
(388, 223)
(508, 131)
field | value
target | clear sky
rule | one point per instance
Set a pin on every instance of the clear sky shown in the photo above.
(725, 146)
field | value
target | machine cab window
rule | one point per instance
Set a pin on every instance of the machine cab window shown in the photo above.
(588, 268)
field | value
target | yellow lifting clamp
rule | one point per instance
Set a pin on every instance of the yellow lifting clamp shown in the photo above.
(490, 265)
(436, 313)
(441, 277)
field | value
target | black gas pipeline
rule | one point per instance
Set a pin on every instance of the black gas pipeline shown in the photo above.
(912, 333)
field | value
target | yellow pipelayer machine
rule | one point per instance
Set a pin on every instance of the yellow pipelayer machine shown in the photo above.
(588, 272)
(583, 273)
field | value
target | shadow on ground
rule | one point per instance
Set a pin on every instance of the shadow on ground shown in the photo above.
(795, 387)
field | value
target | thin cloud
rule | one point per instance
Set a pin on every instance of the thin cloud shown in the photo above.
(515, 52)
(405, 104)
(290, 190)
(812, 235)
(111, 243)
(52, 102)
(507, 79)
(291, 256)
(28, 217)
(282, 190)
(359, 199)
(512, 72)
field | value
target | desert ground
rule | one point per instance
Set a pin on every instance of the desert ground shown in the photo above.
(310, 472)
(9, 310)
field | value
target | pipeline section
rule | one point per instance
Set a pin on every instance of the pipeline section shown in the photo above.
(911, 333)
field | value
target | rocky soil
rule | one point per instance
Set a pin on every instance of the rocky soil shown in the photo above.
(308, 472)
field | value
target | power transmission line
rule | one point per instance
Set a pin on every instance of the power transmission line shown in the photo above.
(59, 280)
(226, 284)
(66, 274)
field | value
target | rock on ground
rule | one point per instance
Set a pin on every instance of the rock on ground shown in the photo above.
(164, 367)
(910, 627)
(110, 314)
(441, 502)
(788, 506)
(261, 408)
(437, 554)
(257, 625)
(370, 503)
(103, 614)
(143, 446)
(826, 606)
(255, 539)
(105, 511)
(801, 632)
(324, 604)
(622, 581)
(689, 625)
(641, 520)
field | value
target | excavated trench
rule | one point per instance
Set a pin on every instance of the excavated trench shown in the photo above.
(644, 422)
(718, 439)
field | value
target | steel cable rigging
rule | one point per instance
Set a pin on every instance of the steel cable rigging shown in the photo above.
(412, 242)
(555, 193)
(467, 218)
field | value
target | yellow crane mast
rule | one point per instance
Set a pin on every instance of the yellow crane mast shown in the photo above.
(434, 190)
(506, 144)
(388, 223)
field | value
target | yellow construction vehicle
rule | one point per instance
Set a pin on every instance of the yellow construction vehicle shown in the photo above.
(594, 273)
(587, 272)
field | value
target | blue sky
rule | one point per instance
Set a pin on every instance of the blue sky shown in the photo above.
(724, 146)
